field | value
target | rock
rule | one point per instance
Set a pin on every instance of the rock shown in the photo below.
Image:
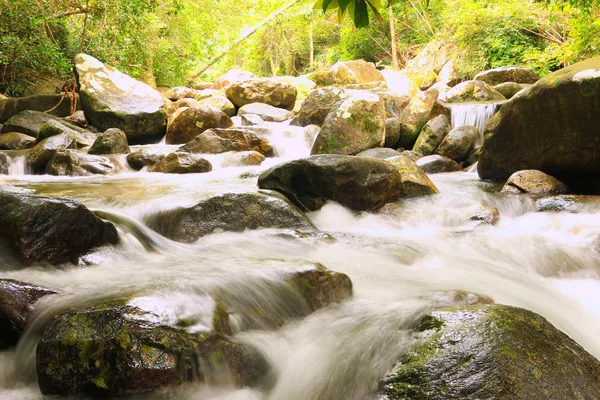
(399, 83)
(302, 84)
(72, 163)
(206, 93)
(355, 71)
(423, 68)
(553, 126)
(15, 141)
(42, 153)
(492, 352)
(140, 159)
(440, 108)
(111, 99)
(414, 181)
(53, 128)
(16, 302)
(251, 120)
(191, 122)
(231, 212)
(112, 141)
(472, 91)
(320, 287)
(50, 229)
(30, 123)
(432, 134)
(568, 203)
(321, 78)
(485, 216)
(459, 143)
(534, 182)
(448, 74)
(394, 103)
(509, 89)
(360, 184)
(269, 91)
(318, 104)
(13, 106)
(77, 118)
(181, 163)
(242, 159)
(500, 75)
(181, 92)
(414, 117)
(219, 102)
(232, 76)
(118, 348)
(185, 102)
(215, 141)
(392, 132)
(266, 112)
(412, 154)
(353, 125)
(381, 153)
(436, 164)
(473, 156)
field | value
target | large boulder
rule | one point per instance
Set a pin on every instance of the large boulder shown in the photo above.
(230, 77)
(16, 302)
(111, 99)
(318, 104)
(435, 164)
(353, 125)
(181, 163)
(424, 67)
(266, 112)
(415, 116)
(39, 155)
(360, 184)
(472, 91)
(73, 163)
(500, 75)
(41, 103)
(15, 141)
(188, 123)
(54, 127)
(534, 182)
(432, 134)
(414, 181)
(216, 141)
(552, 126)
(218, 101)
(113, 141)
(509, 89)
(492, 352)
(458, 144)
(394, 103)
(232, 212)
(30, 123)
(269, 91)
(399, 83)
(355, 71)
(48, 229)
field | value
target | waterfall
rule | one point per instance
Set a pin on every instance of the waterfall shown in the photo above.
(477, 114)
(13, 165)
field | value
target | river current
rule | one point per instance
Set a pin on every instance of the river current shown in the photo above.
(402, 261)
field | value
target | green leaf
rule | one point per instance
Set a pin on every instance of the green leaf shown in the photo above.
(359, 13)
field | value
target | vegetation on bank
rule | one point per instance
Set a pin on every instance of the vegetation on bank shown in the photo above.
(164, 42)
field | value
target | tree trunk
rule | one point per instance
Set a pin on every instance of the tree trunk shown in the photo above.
(273, 67)
(395, 63)
(245, 36)
(312, 45)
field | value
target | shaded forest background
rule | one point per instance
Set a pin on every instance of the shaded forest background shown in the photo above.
(163, 42)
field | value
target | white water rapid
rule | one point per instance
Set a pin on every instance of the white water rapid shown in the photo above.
(476, 114)
(402, 262)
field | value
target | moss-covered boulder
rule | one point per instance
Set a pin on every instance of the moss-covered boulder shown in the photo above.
(112, 141)
(414, 117)
(215, 141)
(552, 126)
(187, 123)
(15, 141)
(435, 164)
(73, 163)
(534, 182)
(30, 123)
(458, 144)
(181, 163)
(16, 302)
(218, 101)
(492, 352)
(231, 212)
(352, 125)
(357, 183)
(38, 156)
(112, 99)
(273, 92)
(394, 103)
(432, 134)
(48, 229)
(53, 127)
(472, 91)
(500, 75)
(266, 112)
(414, 181)
(318, 104)
(355, 71)
(509, 89)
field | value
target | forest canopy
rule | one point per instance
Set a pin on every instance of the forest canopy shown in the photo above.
(164, 42)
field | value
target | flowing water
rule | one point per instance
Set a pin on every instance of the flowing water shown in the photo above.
(403, 262)
(476, 114)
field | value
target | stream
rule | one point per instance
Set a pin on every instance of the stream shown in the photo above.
(403, 261)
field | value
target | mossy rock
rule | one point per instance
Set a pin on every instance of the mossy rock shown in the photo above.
(492, 352)
(216, 141)
(435, 164)
(181, 163)
(73, 163)
(470, 91)
(414, 180)
(273, 92)
(415, 116)
(112, 141)
(534, 182)
(188, 123)
(432, 134)
(39, 155)
(458, 144)
(318, 104)
(15, 141)
(355, 72)
(514, 74)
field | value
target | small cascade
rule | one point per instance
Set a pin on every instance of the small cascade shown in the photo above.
(16, 165)
(476, 114)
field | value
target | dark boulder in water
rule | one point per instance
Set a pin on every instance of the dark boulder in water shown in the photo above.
(48, 229)
(492, 352)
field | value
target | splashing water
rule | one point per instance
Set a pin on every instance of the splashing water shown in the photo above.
(476, 114)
